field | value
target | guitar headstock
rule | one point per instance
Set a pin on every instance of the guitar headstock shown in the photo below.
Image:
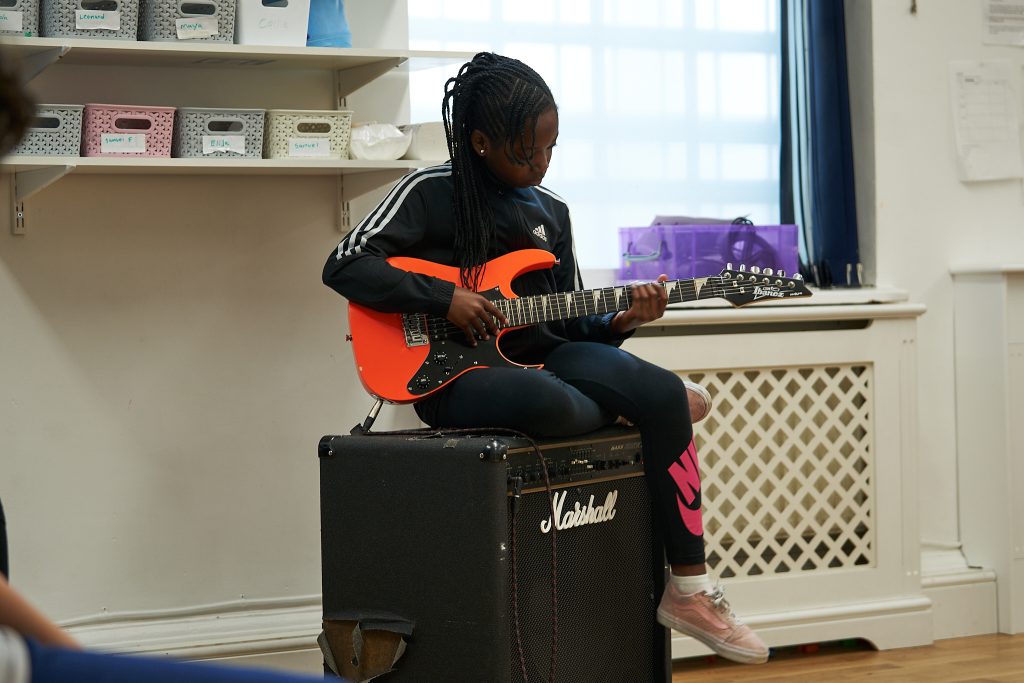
(742, 287)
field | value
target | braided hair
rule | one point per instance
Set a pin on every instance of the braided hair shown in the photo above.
(16, 109)
(500, 97)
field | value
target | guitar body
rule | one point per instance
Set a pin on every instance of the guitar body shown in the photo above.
(395, 370)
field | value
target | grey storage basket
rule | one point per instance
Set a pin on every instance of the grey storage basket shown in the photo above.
(55, 131)
(159, 19)
(58, 19)
(27, 11)
(191, 124)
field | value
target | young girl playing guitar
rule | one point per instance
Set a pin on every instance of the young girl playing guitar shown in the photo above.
(502, 125)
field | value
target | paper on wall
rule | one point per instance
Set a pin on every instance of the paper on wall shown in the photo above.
(986, 120)
(1004, 22)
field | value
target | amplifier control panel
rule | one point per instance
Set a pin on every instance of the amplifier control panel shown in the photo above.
(608, 453)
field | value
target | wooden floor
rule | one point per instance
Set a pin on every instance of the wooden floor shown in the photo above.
(980, 658)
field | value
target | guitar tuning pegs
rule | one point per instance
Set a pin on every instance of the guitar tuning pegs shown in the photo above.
(798, 276)
(755, 269)
(728, 266)
(781, 273)
(743, 268)
(768, 271)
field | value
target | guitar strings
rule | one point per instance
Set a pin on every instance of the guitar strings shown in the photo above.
(437, 324)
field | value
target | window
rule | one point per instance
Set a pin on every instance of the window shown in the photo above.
(666, 106)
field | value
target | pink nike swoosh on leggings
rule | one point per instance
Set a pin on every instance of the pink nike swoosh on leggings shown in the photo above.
(686, 474)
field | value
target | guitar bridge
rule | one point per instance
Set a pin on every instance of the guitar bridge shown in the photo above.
(415, 327)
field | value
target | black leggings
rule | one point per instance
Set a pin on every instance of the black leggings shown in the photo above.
(584, 386)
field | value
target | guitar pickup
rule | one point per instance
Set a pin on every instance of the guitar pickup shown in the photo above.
(414, 325)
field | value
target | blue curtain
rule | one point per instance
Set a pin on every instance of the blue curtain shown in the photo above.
(816, 156)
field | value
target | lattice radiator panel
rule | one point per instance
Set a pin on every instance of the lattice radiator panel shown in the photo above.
(788, 469)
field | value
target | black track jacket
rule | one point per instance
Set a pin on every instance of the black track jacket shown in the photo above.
(416, 220)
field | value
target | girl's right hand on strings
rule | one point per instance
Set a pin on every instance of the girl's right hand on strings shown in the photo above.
(475, 315)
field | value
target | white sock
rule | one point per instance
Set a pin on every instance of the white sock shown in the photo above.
(688, 585)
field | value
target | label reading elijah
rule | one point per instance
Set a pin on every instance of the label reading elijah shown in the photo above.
(98, 19)
(11, 20)
(224, 143)
(309, 147)
(123, 143)
(196, 27)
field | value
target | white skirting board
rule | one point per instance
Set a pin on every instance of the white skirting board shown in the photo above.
(241, 629)
(957, 601)
(964, 598)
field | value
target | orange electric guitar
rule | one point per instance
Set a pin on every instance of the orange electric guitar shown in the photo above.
(404, 357)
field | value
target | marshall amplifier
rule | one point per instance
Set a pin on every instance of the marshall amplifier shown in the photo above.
(436, 546)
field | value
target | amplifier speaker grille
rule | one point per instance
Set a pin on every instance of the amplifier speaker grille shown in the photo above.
(606, 588)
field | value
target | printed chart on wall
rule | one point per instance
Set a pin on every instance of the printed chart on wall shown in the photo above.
(986, 120)
(1004, 22)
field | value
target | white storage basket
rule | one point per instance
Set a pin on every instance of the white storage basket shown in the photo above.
(307, 134)
(272, 22)
(209, 132)
(55, 131)
(205, 21)
(19, 18)
(108, 19)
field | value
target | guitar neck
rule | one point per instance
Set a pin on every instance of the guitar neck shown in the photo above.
(543, 308)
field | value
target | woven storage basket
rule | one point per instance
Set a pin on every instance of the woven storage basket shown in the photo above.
(187, 20)
(199, 131)
(272, 22)
(313, 134)
(55, 131)
(105, 128)
(73, 18)
(19, 18)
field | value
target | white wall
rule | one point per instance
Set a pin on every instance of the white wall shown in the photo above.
(171, 359)
(925, 219)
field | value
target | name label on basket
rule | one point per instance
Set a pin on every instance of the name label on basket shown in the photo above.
(309, 147)
(580, 515)
(196, 27)
(224, 143)
(121, 143)
(98, 19)
(269, 24)
(11, 20)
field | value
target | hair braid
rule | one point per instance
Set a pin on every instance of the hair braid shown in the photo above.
(498, 96)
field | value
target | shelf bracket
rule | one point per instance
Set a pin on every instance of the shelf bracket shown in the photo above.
(344, 211)
(24, 184)
(350, 80)
(33, 65)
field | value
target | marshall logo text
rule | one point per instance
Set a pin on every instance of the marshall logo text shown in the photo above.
(580, 514)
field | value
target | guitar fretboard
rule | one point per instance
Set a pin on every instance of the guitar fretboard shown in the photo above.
(530, 310)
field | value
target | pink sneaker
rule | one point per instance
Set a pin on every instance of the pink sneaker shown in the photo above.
(700, 401)
(706, 616)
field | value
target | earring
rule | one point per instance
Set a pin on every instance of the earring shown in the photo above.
(481, 151)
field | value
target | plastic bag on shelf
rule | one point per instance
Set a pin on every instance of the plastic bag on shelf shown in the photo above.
(379, 142)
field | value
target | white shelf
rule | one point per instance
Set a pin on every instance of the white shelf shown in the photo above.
(215, 166)
(355, 66)
(33, 173)
(352, 69)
